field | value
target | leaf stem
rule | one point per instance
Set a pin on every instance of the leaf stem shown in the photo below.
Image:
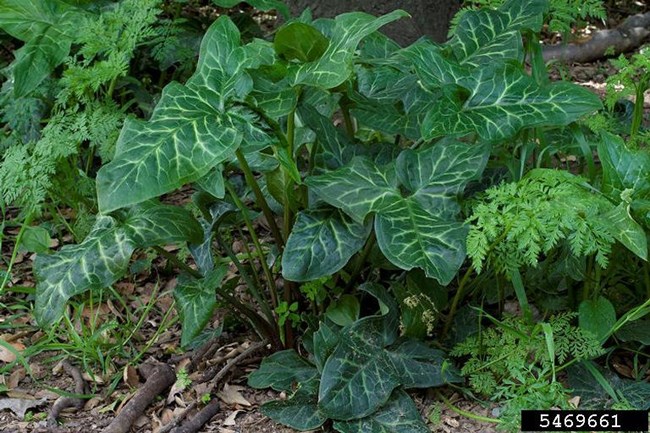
(464, 413)
(258, 245)
(259, 197)
(361, 259)
(253, 289)
(456, 300)
(181, 264)
(637, 113)
(347, 119)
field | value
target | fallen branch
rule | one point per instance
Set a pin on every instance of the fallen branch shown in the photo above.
(80, 387)
(627, 36)
(158, 378)
(200, 419)
(212, 408)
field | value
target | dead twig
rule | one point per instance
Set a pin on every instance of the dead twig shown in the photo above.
(158, 378)
(200, 419)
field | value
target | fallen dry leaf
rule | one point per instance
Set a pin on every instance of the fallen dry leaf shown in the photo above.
(230, 420)
(15, 377)
(7, 355)
(230, 394)
(20, 405)
(130, 376)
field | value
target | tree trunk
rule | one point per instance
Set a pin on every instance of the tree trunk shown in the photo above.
(428, 17)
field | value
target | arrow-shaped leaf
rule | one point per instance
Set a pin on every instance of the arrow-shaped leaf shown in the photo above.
(189, 132)
(398, 415)
(95, 263)
(502, 100)
(196, 300)
(411, 236)
(335, 65)
(48, 28)
(321, 243)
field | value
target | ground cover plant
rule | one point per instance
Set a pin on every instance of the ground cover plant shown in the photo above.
(365, 208)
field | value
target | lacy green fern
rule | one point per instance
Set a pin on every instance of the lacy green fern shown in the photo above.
(517, 222)
(510, 362)
(84, 121)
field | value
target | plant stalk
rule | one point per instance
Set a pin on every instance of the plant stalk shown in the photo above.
(261, 201)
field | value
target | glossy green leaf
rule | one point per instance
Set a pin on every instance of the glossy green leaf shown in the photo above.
(357, 188)
(416, 225)
(410, 236)
(97, 262)
(345, 311)
(356, 379)
(213, 182)
(627, 231)
(321, 243)
(597, 316)
(300, 41)
(281, 371)
(325, 341)
(189, 132)
(486, 35)
(159, 224)
(335, 65)
(635, 331)
(501, 100)
(300, 411)
(336, 149)
(420, 366)
(196, 300)
(360, 375)
(398, 415)
(48, 28)
(623, 168)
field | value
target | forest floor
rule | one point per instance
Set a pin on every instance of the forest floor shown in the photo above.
(37, 379)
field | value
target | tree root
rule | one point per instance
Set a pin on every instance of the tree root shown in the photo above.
(627, 36)
(80, 387)
(158, 378)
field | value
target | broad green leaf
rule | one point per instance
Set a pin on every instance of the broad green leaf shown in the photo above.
(357, 378)
(202, 252)
(158, 224)
(627, 231)
(276, 98)
(190, 131)
(300, 41)
(48, 28)
(345, 311)
(503, 100)
(635, 331)
(357, 188)
(213, 182)
(398, 415)
(411, 236)
(439, 172)
(321, 243)
(416, 224)
(101, 259)
(597, 316)
(196, 300)
(420, 366)
(281, 371)
(360, 375)
(335, 65)
(325, 341)
(35, 239)
(336, 149)
(623, 168)
(486, 35)
(174, 148)
(263, 5)
(300, 411)
(388, 311)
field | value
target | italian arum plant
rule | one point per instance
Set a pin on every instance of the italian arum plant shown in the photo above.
(254, 130)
